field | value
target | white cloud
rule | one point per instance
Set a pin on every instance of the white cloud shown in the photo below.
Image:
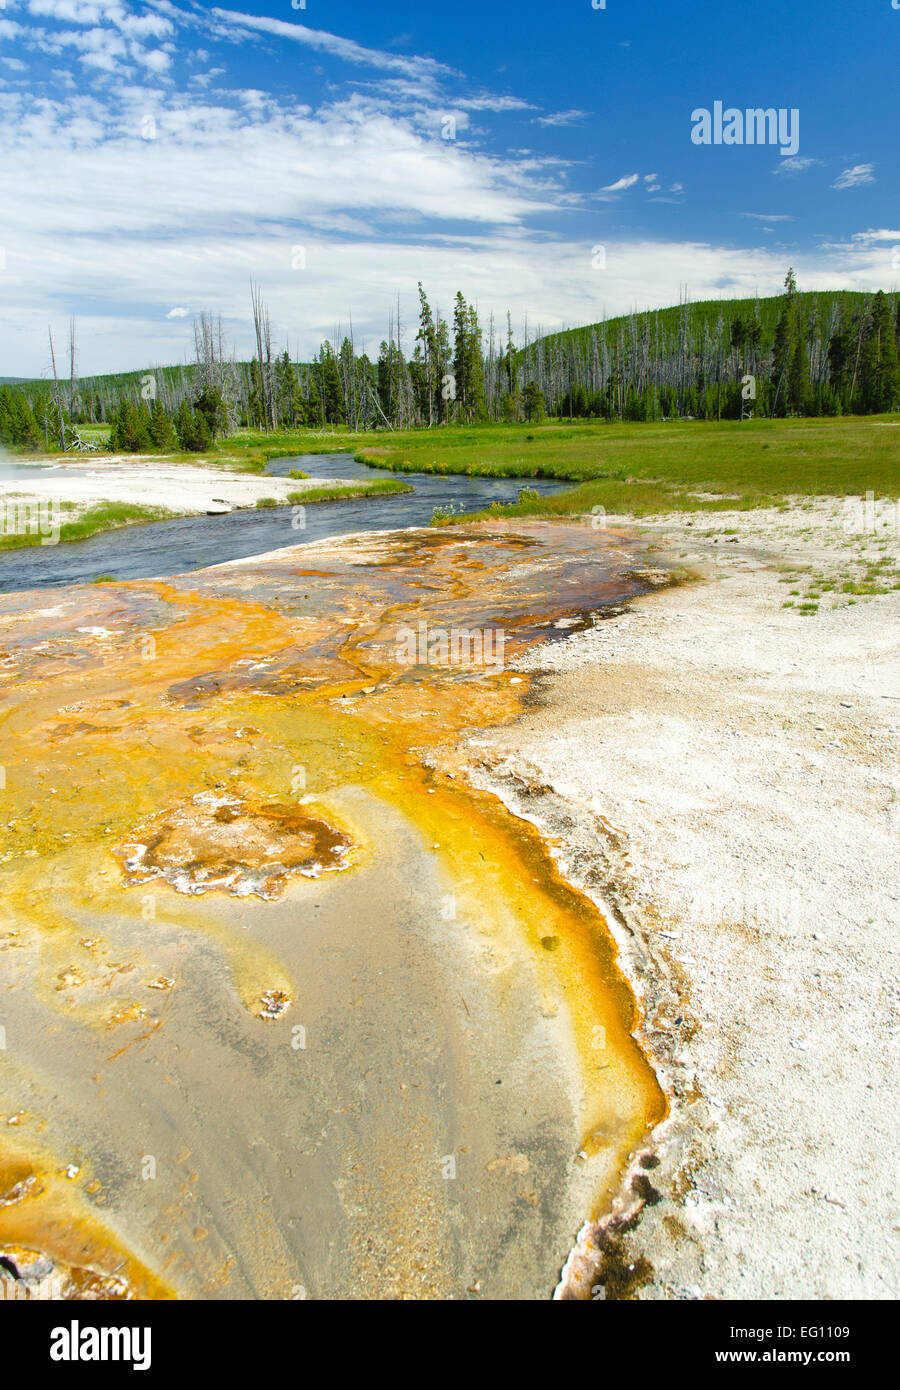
(347, 158)
(98, 12)
(324, 42)
(492, 103)
(234, 180)
(873, 236)
(769, 216)
(554, 282)
(71, 11)
(155, 59)
(620, 186)
(203, 79)
(558, 118)
(853, 178)
(796, 164)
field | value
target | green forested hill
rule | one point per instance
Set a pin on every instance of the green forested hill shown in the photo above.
(814, 353)
(820, 352)
(704, 315)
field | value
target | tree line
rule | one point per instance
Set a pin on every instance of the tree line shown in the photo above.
(828, 354)
(805, 354)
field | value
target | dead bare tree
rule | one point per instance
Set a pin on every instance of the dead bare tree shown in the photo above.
(214, 370)
(263, 333)
(72, 378)
(59, 410)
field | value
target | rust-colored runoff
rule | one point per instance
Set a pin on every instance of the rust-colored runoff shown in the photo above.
(168, 744)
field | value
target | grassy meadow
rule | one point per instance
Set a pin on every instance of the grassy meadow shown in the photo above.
(630, 468)
(625, 467)
(650, 468)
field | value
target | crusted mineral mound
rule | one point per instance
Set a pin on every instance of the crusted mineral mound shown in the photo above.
(229, 844)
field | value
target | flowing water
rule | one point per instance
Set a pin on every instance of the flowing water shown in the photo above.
(194, 542)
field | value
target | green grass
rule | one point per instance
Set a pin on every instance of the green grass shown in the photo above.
(649, 468)
(380, 488)
(635, 469)
(104, 516)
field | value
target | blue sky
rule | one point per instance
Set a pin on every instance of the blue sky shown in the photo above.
(157, 155)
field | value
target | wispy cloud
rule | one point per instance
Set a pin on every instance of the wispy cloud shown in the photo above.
(559, 118)
(179, 181)
(873, 236)
(769, 216)
(494, 103)
(853, 178)
(324, 42)
(796, 164)
(612, 190)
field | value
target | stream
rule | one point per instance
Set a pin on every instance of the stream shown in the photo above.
(195, 542)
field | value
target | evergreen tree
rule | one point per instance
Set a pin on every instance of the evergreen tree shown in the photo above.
(192, 429)
(442, 365)
(162, 433)
(477, 407)
(535, 405)
(256, 407)
(18, 427)
(328, 383)
(798, 378)
(842, 348)
(879, 367)
(130, 432)
(288, 398)
(210, 405)
(426, 339)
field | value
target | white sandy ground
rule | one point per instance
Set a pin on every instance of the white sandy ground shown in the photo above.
(721, 774)
(186, 488)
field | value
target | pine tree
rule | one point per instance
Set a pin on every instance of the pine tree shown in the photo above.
(880, 370)
(841, 354)
(442, 364)
(18, 426)
(329, 387)
(535, 406)
(288, 399)
(460, 354)
(426, 338)
(130, 432)
(798, 378)
(256, 408)
(192, 429)
(210, 405)
(162, 432)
